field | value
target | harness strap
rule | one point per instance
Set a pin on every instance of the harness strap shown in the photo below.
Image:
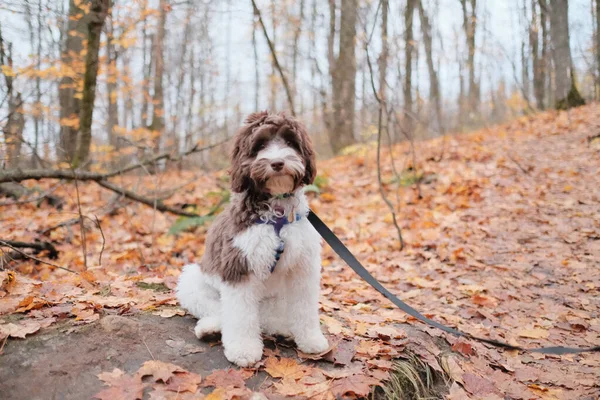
(353, 263)
(278, 224)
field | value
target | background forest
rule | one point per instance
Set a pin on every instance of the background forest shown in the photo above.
(91, 82)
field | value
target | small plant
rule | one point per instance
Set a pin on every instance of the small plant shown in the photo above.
(412, 379)
(183, 224)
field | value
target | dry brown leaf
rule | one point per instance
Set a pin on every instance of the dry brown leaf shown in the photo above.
(225, 378)
(358, 385)
(161, 371)
(534, 333)
(19, 330)
(122, 386)
(285, 368)
(184, 382)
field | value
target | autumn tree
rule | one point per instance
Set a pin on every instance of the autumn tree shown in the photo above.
(566, 93)
(342, 70)
(98, 10)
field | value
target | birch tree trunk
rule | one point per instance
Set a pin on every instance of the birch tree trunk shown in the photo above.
(470, 27)
(539, 78)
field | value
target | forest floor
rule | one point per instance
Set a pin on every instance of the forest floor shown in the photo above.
(503, 242)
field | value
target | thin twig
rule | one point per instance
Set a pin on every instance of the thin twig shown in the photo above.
(288, 92)
(145, 200)
(81, 224)
(103, 240)
(3, 243)
(379, 124)
(148, 348)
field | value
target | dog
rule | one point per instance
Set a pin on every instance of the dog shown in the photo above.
(260, 272)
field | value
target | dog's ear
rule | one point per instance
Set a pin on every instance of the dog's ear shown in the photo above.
(240, 179)
(308, 154)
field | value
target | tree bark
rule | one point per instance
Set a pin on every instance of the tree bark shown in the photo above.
(566, 93)
(158, 119)
(539, 71)
(434, 83)
(598, 48)
(343, 74)
(69, 99)
(15, 122)
(408, 59)
(470, 27)
(111, 86)
(97, 16)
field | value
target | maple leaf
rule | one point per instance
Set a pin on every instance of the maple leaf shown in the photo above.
(358, 385)
(19, 330)
(184, 382)
(122, 386)
(285, 368)
(161, 371)
(343, 353)
(225, 378)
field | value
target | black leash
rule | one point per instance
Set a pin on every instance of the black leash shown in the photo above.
(349, 258)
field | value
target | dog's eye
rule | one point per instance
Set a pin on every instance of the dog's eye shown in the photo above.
(289, 143)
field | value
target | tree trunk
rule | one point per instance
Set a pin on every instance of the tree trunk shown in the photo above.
(97, 16)
(470, 27)
(111, 86)
(598, 48)
(158, 118)
(408, 53)
(539, 78)
(567, 95)
(69, 99)
(15, 121)
(343, 75)
(434, 83)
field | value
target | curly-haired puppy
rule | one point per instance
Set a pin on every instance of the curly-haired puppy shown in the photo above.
(261, 267)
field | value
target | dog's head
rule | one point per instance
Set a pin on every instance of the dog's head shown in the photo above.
(272, 154)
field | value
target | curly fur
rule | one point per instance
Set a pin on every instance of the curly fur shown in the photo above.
(233, 289)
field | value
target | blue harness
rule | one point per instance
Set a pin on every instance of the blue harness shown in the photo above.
(278, 224)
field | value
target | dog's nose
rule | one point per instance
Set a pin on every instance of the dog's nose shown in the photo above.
(277, 165)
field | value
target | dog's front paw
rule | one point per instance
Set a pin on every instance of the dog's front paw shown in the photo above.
(244, 353)
(313, 344)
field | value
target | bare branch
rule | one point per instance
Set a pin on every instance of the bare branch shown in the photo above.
(6, 244)
(288, 91)
(18, 175)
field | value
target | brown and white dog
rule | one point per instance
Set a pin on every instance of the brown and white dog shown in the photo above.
(261, 268)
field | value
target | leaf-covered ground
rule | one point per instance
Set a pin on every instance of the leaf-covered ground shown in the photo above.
(503, 242)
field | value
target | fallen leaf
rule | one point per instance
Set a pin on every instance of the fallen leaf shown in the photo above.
(534, 333)
(122, 386)
(20, 330)
(169, 312)
(225, 378)
(184, 382)
(285, 368)
(463, 348)
(477, 385)
(161, 371)
(358, 385)
(343, 353)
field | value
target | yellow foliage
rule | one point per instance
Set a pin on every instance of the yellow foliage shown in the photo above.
(7, 71)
